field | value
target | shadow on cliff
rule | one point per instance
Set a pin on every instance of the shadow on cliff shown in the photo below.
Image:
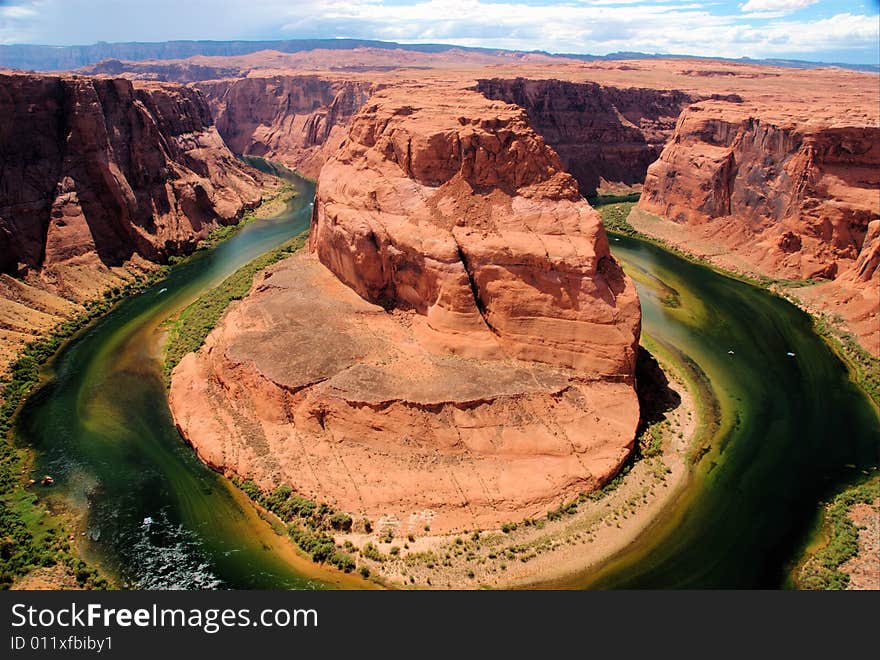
(656, 397)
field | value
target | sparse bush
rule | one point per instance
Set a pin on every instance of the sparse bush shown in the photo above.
(342, 561)
(370, 551)
(341, 521)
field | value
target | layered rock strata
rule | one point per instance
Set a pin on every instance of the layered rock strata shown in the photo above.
(606, 137)
(457, 350)
(99, 178)
(112, 168)
(297, 120)
(785, 194)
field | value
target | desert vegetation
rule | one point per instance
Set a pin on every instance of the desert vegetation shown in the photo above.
(822, 569)
(192, 326)
(30, 536)
(309, 524)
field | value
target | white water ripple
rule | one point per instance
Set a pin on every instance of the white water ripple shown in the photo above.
(166, 556)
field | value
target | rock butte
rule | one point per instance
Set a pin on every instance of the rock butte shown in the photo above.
(458, 349)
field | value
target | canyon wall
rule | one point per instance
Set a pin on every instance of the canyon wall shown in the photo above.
(787, 194)
(97, 174)
(606, 137)
(297, 120)
(458, 350)
(110, 167)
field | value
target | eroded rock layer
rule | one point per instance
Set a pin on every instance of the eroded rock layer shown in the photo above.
(101, 177)
(298, 120)
(108, 167)
(459, 348)
(606, 137)
(793, 195)
(455, 207)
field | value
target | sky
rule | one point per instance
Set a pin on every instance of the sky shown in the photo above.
(818, 30)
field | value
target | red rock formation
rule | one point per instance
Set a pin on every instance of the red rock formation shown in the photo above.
(478, 366)
(801, 194)
(605, 136)
(98, 178)
(104, 166)
(298, 120)
(779, 192)
(471, 222)
(854, 295)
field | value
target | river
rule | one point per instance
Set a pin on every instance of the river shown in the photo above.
(152, 514)
(793, 430)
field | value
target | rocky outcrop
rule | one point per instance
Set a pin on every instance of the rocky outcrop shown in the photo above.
(464, 341)
(784, 195)
(110, 168)
(98, 178)
(854, 295)
(297, 120)
(802, 195)
(606, 137)
(463, 214)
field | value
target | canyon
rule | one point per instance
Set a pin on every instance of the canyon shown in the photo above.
(606, 137)
(765, 171)
(299, 121)
(465, 341)
(457, 349)
(102, 178)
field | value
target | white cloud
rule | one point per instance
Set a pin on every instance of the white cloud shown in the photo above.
(658, 27)
(787, 6)
(598, 27)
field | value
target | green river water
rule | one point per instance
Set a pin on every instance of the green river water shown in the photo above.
(793, 430)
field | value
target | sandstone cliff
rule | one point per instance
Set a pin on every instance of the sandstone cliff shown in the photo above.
(104, 166)
(297, 120)
(606, 137)
(476, 227)
(100, 173)
(459, 348)
(783, 192)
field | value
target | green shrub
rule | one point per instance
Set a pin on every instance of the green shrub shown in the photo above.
(342, 561)
(341, 521)
(370, 551)
(562, 510)
(822, 570)
(317, 545)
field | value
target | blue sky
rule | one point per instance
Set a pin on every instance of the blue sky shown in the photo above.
(823, 30)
